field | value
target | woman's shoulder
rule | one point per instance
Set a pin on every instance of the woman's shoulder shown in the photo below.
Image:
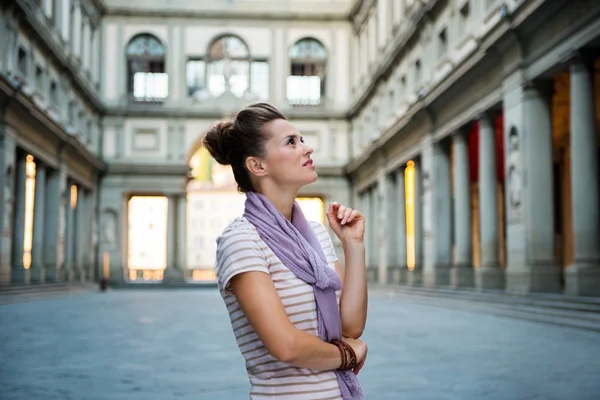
(317, 227)
(239, 228)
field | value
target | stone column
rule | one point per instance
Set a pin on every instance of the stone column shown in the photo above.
(400, 225)
(80, 240)
(69, 236)
(583, 277)
(437, 223)
(280, 65)
(390, 231)
(7, 165)
(54, 213)
(382, 228)
(76, 39)
(462, 269)
(173, 63)
(88, 233)
(86, 46)
(18, 270)
(65, 17)
(182, 233)
(373, 254)
(489, 275)
(39, 220)
(172, 275)
(543, 274)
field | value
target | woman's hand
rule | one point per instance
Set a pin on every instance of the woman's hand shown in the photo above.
(360, 349)
(346, 223)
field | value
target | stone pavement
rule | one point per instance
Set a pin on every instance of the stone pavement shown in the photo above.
(177, 344)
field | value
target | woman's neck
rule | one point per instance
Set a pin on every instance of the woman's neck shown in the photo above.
(282, 199)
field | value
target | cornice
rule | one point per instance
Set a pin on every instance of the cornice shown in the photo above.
(24, 104)
(124, 11)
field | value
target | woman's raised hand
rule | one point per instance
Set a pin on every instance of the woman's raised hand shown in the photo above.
(348, 224)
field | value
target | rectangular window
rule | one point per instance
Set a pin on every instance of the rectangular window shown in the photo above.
(417, 72)
(71, 113)
(195, 76)
(53, 93)
(463, 24)
(149, 85)
(442, 45)
(304, 90)
(148, 81)
(22, 62)
(39, 80)
(306, 83)
(260, 79)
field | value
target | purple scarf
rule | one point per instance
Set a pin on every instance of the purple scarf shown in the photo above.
(298, 248)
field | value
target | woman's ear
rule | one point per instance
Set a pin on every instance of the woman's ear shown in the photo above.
(256, 166)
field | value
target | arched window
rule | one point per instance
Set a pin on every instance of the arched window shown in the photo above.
(228, 66)
(306, 83)
(146, 77)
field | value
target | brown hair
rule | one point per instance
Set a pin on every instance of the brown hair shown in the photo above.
(232, 142)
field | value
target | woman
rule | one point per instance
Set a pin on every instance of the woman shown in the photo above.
(278, 274)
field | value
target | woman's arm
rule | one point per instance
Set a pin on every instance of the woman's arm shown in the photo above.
(353, 300)
(349, 226)
(262, 306)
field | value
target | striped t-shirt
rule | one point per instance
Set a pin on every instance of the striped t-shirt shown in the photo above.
(240, 249)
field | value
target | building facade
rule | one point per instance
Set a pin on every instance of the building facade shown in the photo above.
(466, 130)
(475, 133)
(50, 137)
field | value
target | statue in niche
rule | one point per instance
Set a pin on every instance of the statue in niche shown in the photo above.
(109, 228)
(515, 171)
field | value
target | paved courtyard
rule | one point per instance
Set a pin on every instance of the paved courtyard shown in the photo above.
(160, 344)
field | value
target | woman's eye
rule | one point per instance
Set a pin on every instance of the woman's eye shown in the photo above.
(302, 139)
(291, 141)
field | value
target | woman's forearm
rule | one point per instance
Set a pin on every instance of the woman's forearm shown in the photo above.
(353, 302)
(309, 351)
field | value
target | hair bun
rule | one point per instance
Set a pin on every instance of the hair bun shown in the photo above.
(218, 142)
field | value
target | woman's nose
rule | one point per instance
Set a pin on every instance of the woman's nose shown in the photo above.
(308, 150)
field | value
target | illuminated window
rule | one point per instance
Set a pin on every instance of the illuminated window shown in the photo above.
(313, 208)
(147, 242)
(229, 67)
(29, 203)
(147, 80)
(73, 196)
(306, 82)
(409, 182)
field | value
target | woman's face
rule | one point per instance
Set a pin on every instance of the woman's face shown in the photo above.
(288, 159)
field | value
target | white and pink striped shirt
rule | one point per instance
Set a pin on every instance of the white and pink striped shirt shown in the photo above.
(240, 249)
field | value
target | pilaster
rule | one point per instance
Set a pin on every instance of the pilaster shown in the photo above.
(7, 164)
(462, 268)
(583, 277)
(437, 217)
(172, 274)
(39, 220)
(19, 275)
(489, 275)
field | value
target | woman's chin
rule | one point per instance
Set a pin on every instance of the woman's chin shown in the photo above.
(312, 178)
